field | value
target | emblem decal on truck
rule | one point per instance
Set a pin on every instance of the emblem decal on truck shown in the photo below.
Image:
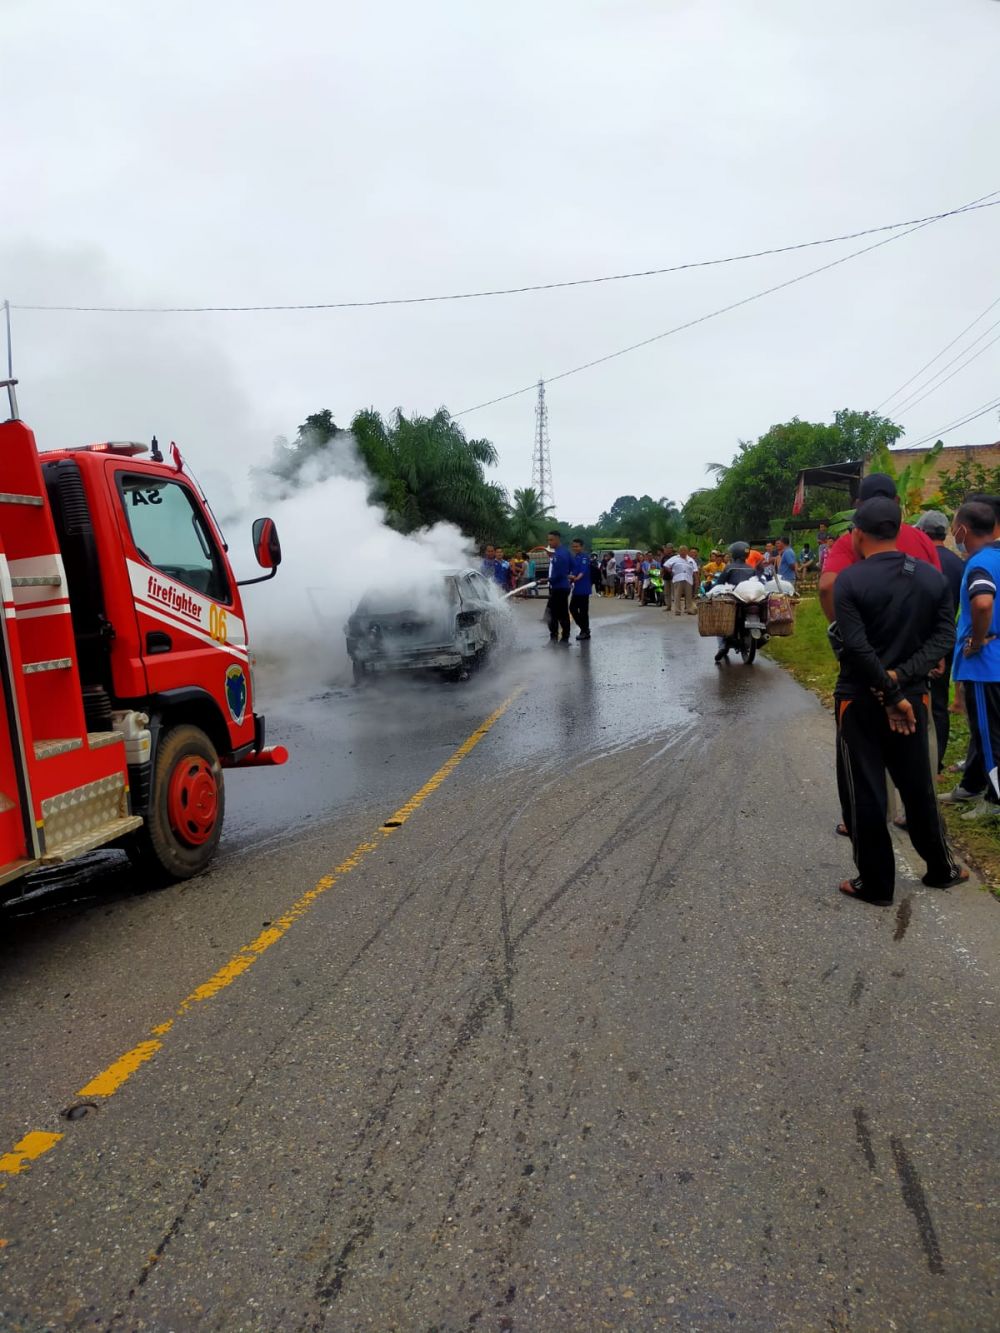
(236, 693)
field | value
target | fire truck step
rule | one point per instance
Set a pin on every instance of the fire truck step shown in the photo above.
(36, 581)
(98, 739)
(93, 838)
(6, 498)
(49, 749)
(53, 664)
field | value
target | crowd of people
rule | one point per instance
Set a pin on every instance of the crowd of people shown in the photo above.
(891, 593)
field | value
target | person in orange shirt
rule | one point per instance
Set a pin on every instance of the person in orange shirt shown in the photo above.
(755, 559)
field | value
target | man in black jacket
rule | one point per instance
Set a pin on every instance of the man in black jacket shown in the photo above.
(895, 621)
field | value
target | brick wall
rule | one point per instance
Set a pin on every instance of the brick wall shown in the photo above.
(949, 458)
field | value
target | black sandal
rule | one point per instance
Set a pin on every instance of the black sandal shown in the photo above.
(961, 876)
(851, 888)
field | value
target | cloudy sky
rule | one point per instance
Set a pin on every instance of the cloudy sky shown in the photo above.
(243, 153)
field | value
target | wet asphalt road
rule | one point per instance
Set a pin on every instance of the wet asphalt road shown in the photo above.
(590, 1041)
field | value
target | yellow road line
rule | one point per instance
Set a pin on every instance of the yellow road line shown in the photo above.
(109, 1080)
(117, 1074)
(32, 1146)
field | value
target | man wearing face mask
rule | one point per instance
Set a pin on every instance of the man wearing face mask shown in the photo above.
(895, 622)
(977, 653)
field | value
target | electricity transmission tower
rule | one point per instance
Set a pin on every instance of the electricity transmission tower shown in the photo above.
(541, 459)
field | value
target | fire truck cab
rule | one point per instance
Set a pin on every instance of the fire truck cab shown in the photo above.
(124, 659)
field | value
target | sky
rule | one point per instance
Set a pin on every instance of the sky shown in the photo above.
(243, 153)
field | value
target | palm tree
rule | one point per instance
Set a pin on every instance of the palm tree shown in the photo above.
(528, 518)
(427, 471)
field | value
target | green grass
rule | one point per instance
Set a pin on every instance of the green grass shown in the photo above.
(806, 655)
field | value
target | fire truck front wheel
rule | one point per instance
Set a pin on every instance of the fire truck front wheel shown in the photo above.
(186, 807)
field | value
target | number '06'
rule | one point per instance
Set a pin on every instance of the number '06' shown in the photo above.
(217, 626)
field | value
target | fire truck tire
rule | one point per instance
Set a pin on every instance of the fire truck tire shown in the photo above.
(186, 807)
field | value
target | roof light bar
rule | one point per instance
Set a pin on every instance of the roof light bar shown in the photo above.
(112, 447)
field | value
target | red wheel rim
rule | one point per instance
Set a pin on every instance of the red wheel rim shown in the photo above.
(193, 800)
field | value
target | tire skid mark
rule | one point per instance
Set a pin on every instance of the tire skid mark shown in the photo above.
(203, 1177)
(863, 1134)
(916, 1200)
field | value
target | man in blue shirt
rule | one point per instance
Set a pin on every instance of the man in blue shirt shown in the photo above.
(581, 580)
(557, 610)
(501, 569)
(785, 561)
(977, 651)
(489, 565)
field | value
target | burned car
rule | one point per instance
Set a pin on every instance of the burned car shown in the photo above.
(447, 626)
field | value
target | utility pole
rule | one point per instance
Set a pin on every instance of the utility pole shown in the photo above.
(541, 460)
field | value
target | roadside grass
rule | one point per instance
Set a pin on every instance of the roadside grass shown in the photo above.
(806, 655)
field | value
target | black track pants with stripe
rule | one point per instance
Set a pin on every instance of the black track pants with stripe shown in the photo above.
(866, 748)
(982, 704)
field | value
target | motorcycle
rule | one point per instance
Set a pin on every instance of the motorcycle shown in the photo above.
(654, 594)
(750, 632)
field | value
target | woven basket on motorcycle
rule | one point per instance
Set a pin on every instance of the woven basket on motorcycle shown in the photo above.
(781, 615)
(716, 615)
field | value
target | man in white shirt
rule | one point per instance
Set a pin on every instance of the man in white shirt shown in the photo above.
(682, 569)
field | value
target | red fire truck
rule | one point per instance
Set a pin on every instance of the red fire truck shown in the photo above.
(126, 670)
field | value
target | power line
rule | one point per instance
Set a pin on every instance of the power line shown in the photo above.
(701, 319)
(908, 404)
(947, 348)
(975, 414)
(982, 202)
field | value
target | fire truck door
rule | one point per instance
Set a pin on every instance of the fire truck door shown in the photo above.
(190, 624)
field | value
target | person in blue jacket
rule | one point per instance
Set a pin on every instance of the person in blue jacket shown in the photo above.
(560, 569)
(581, 581)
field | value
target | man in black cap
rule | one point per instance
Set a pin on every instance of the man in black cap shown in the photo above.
(842, 555)
(895, 622)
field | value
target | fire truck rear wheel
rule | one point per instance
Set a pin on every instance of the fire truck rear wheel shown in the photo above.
(186, 808)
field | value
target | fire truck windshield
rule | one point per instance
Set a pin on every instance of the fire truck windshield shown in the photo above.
(171, 534)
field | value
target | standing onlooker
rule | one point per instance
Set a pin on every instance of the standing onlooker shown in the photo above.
(785, 562)
(755, 559)
(489, 562)
(611, 576)
(895, 621)
(682, 581)
(806, 558)
(557, 609)
(501, 570)
(935, 525)
(841, 553)
(581, 584)
(531, 571)
(977, 654)
(768, 559)
(666, 555)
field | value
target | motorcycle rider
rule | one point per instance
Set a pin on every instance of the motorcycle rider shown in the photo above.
(737, 571)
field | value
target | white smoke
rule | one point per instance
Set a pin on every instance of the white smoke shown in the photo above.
(336, 546)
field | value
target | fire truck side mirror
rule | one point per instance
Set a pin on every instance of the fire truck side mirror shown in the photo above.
(266, 545)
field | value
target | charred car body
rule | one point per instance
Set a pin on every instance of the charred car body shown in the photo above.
(447, 626)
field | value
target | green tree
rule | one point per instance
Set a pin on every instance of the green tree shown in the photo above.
(968, 478)
(423, 470)
(759, 484)
(528, 519)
